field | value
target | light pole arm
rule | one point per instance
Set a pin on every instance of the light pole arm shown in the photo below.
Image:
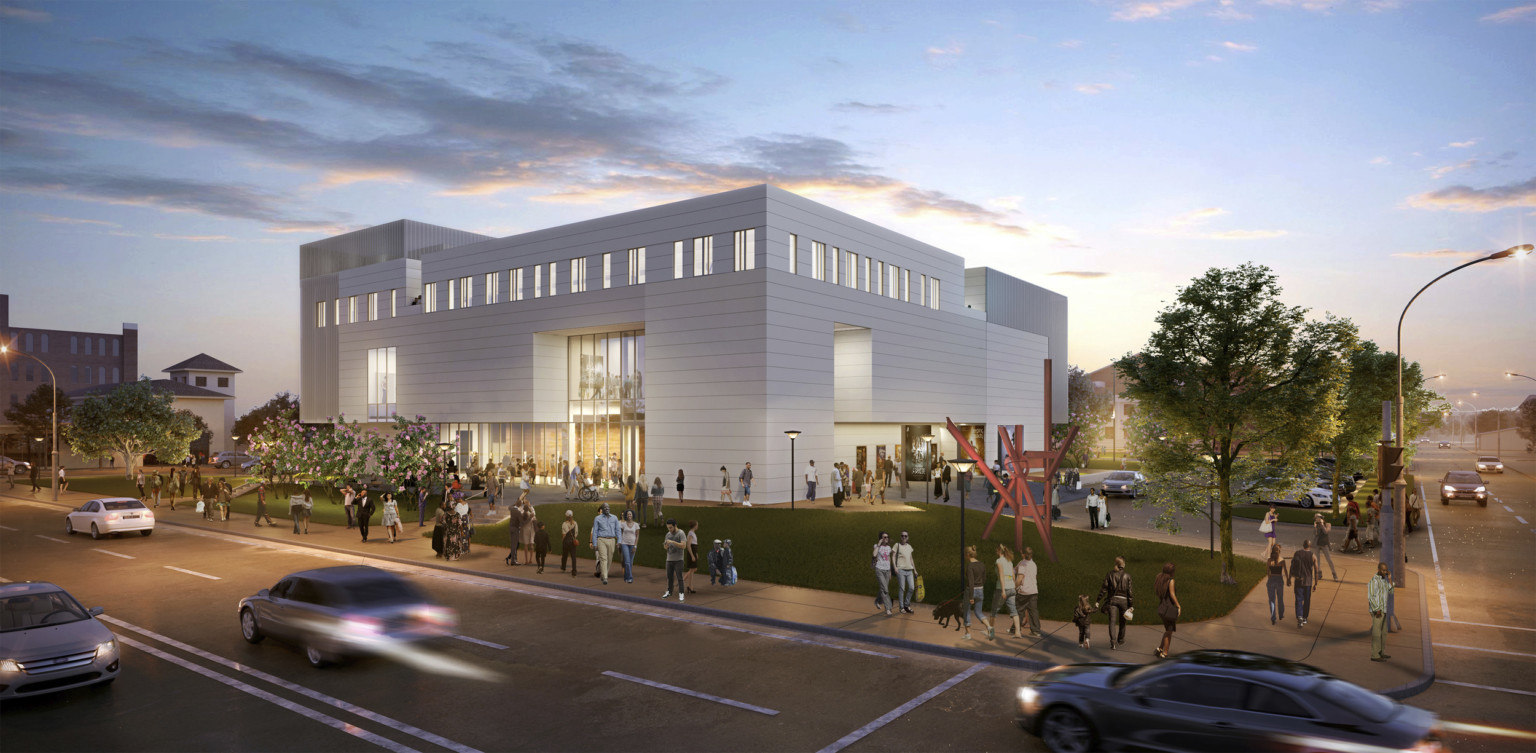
(54, 464)
(1403, 315)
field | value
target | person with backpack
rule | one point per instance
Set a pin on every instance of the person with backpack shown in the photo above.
(727, 565)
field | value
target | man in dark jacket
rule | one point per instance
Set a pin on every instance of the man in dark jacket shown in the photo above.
(1115, 599)
(1303, 574)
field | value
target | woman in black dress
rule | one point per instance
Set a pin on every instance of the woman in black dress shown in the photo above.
(679, 486)
(1168, 608)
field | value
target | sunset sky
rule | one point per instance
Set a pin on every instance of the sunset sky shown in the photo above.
(161, 163)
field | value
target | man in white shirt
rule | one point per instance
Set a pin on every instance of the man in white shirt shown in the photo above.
(1028, 588)
(810, 481)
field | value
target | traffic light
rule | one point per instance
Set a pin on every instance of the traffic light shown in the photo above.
(1389, 465)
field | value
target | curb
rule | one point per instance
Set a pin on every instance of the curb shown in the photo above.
(1427, 677)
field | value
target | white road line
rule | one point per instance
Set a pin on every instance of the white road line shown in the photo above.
(694, 693)
(1484, 624)
(1445, 607)
(8, 528)
(50, 538)
(194, 572)
(1507, 508)
(300, 689)
(1485, 687)
(327, 720)
(6, 580)
(1485, 650)
(1522, 520)
(479, 642)
(115, 554)
(899, 711)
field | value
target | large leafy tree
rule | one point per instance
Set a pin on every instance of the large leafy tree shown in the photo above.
(1372, 379)
(1088, 410)
(1231, 371)
(132, 420)
(283, 405)
(33, 416)
(1525, 423)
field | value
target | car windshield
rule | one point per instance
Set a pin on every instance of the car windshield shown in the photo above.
(367, 592)
(1122, 476)
(123, 504)
(1359, 701)
(1487, 460)
(1463, 477)
(25, 611)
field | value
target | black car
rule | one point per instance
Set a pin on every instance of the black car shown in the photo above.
(1214, 701)
(1463, 485)
(1445, 445)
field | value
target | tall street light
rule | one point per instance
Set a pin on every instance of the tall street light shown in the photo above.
(5, 350)
(928, 469)
(962, 466)
(792, 434)
(1397, 496)
(1427, 379)
(1522, 376)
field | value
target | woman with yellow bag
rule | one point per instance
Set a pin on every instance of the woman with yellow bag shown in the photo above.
(908, 582)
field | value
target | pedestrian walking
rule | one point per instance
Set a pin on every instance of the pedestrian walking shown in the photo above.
(881, 561)
(629, 540)
(63, 480)
(305, 512)
(1352, 534)
(810, 481)
(1168, 608)
(515, 522)
(570, 531)
(158, 485)
(680, 482)
(32, 474)
(528, 530)
(10, 474)
(1092, 504)
(658, 495)
(1026, 581)
(540, 544)
(1377, 591)
(364, 508)
(440, 531)
(1082, 617)
(524, 485)
(1267, 527)
(347, 495)
(138, 480)
(837, 484)
(261, 501)
(605, 539)
(745, 479)
(391, 519)
(1320, 529)
(904, 560)
(1276, 583)
(642, 500)
(1303, 575)
(691, 555)
(879, 487)
(869, 485)
(676, 543)
(976, 587)
(946, 476)
(1116, 599)
(1006, 594)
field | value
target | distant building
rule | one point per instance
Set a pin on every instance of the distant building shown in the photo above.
(78, 359)
(1113, 438)
(202, 384)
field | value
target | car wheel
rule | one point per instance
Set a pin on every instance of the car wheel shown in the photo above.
(1444, 501)
(69, 527)
(316, 659)
(1482, 503)
(1065, 731)
(146, 532)
(248, 627)
(95, 534)
(1305, 502)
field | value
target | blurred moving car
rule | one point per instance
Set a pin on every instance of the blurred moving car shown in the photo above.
(1215, 701)
(49, 642)
(230, 459)
(111, 515)
(1463, 485)
(22, 466)
(1490, 464)
(336, 613)
(1124, 482)
(1445, 445)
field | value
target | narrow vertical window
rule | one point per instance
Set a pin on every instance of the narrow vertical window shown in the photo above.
(453, 294)
(554, 277)
(517, 284)
(851, 270)
(880, 279)
(373, 307)
(933, 294)
(538, 280)
(836, 261)
(74, 345)
(394, 302)
(607, 270)
(869, 266)
(746, 249)
(45, 342)
(818, 260)
(922, 290)
(492, 287)
(794, 254)
(116, 376)
(906, 285)
(677, 260)
(892, 288)
(429, 297)
(703, 256)
(116, 343)
(579, 275)
(466, 292)
(352, 310)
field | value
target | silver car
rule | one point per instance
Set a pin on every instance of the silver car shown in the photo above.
(1128, 483)
(335, 613)
(49, 642)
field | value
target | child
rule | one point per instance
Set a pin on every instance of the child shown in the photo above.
(716, 564)
(540, 543)
(1082, 617)
(728, 565)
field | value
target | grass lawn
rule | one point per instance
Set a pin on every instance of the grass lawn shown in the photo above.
(830, 550)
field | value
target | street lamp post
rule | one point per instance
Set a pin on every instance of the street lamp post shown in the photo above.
(962, 466)
(445, 447)
(1397, 491)
(1522, 376)
(792, 434)
(928, 469)
(1427, 379)
(53, 465)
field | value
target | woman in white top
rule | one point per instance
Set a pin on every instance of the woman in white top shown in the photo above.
(391, 517)
(629, 538)
(881, 559)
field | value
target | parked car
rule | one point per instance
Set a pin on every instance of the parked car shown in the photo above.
(1128, 483)
(48, 642)
(335, 613)
(230, 459)
(1445, 445)
(110, 515)
(1463, 485)
(1214, 700)
(1490, 464)
(22, 466)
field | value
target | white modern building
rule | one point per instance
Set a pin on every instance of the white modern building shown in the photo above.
(684, 336)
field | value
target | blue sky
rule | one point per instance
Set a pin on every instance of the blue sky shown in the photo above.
(161, 162)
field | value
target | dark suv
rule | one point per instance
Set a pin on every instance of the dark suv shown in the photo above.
(1463, 485)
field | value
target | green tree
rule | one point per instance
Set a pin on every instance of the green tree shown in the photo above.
(33, 416)
(282, 405)
(133, 420)
(1525, 423)
(1372, 380)
(1232, 371)
(1089, 411)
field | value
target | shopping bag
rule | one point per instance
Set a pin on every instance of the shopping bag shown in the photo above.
(199, 506)
(922, 592)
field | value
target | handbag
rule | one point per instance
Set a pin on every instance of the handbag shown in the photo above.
(1107, 518)
(921, 592)
(1167, 611)
(1266, 526)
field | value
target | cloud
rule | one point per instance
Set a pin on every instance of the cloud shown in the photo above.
(1228, 11)
(1191, 225)
(1444, 170)
(194, 238)
(1093, 88)
(1316, 6)
(1511, 15)
(944, 55)
(870, 108)
(1070, 44)
(72, 220)
(1239, 47)
(1461, 144)
(1468, 199)
(1080, 274)
(1439, 253)
(1380, 161)
(1158, 9)
(24, 14)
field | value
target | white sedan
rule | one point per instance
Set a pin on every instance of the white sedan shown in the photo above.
(111, 515)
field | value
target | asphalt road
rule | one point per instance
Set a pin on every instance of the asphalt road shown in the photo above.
(537, 669)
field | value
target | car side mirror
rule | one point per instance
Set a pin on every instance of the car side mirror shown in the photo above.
(97, 611)
(264, 593)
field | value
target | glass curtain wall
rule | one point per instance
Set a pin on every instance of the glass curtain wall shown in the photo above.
(607, 404)
(508, 444)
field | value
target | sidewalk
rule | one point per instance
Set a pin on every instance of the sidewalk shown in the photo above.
(1336, 638)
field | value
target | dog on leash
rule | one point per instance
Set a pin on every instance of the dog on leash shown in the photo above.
(946, 611)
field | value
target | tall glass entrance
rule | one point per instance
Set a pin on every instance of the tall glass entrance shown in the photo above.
(607, 404)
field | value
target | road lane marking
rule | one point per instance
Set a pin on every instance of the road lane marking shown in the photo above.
(693, 693)
(1486, 650)
(8, 528)
(50, 538)
(1485, 687)
(899, 711)
(300, 689)
(115, 554)
(477, 641)
(194, 572)
(1483, 624)
(1522, 520)
(1507, 508)
(1445, 607)
(327, 720)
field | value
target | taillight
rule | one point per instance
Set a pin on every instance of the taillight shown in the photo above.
(363, 626)
(111, 516)
(435, 615)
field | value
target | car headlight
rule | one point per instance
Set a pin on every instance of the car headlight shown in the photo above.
(9, 665)
(1449, 489)
(1480, 489)
(1028, 697)
(104, 650)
